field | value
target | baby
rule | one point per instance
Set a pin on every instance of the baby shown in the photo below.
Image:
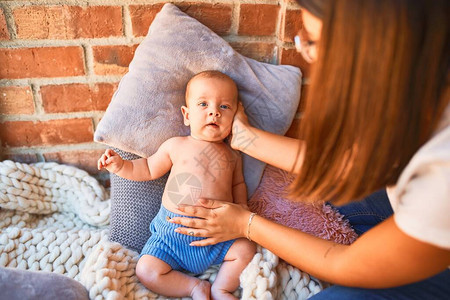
(201, 165)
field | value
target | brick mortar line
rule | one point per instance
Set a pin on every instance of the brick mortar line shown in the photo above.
(122, 41)
(53, 116)
(285, 45)
(281, 19)
(275, 55)
(127, 23)
(249, 38)
(48, 43)
(93, 126)
(277, 49)
(88, 61)
(10, 24)
(94, 79)
(292, 5)
(235, 13)
(37, 100)
(96, 120)
(54, 148)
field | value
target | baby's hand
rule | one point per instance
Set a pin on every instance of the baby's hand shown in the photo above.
(111, 161)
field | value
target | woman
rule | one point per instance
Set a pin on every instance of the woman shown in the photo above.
(377, 115)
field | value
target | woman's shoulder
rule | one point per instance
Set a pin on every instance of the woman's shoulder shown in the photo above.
(421, 197)
(445, 120)
(431, 159)
(436, 151)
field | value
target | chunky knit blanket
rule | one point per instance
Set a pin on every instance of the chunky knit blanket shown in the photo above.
(54, 218)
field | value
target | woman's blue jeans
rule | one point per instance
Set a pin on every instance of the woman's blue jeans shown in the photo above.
(363, 215)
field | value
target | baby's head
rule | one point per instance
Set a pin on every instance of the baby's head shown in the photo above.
(211, 102)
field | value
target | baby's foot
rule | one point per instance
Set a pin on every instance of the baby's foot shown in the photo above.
(201, 291)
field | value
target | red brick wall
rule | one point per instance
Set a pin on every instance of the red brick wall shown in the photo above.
(60, 64)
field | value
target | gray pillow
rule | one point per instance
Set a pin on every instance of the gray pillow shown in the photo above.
(145, 109)
(134, 204)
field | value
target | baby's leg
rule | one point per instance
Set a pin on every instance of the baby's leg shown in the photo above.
(237, 258)
(159, 277)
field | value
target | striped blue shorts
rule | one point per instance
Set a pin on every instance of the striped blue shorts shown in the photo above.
(174, 249)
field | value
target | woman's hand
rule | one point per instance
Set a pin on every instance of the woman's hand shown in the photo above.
(216, 220)
(240, 127)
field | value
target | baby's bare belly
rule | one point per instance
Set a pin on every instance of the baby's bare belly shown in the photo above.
(187, 187)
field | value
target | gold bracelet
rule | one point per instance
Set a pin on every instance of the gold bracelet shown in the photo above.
(248, 225)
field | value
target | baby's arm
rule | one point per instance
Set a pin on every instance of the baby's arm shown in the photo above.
(142, 169)
(239, 187)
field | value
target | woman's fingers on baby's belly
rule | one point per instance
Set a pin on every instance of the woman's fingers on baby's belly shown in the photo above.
(188, 223)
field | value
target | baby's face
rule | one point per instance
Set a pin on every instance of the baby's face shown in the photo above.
(211, 105)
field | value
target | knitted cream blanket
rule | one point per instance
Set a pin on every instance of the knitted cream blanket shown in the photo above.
(54, 218)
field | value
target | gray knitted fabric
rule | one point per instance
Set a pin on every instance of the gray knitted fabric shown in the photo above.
(133, 206)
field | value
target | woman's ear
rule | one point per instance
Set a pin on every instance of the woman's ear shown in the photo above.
(185, 112)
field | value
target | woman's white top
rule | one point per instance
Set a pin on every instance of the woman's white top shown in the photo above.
(421, 197)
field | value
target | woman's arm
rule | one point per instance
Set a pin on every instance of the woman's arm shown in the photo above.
(239, 187)
(276, 150)
(382, 257)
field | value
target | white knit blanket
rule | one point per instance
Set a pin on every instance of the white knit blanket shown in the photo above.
(54, 218)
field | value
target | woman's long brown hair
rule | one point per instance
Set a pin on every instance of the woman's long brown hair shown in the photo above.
(375, 97)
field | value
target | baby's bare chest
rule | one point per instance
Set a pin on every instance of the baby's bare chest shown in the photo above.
(210, 163)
